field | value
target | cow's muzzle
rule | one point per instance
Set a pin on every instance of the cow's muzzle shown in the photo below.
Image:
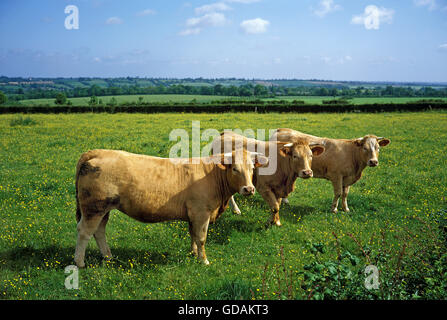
(247, 191)
(373, 163)
(306, 174)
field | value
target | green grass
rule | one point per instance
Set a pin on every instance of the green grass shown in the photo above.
(371, 100)
(208, 98)
(152, 261)
(132, 98)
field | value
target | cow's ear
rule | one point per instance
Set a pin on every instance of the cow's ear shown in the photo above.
(384, 142)
(317, 150)
(260, 161)
(224, 162)
(359, 142)
(286, 150)
(222, 166)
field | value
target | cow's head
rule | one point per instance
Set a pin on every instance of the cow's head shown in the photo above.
(239, 167)
(300, 154)
(369, 149)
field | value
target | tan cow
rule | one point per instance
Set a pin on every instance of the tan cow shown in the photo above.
(343, 161)
(293, 160)
(151, 189)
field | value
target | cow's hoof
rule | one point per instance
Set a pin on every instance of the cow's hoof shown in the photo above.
(80, 264)
(278, 223)
(285, 201)
(335, 210)
(237, 212)
(206, 262)
(346, 210)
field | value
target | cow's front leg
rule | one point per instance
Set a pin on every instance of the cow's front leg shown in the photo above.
(198, 231)
(274, 204)
(337, 183)
(344, 199)
(233, 206)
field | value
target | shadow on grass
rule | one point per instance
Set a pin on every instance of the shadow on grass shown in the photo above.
(23, 258)
(295, 213)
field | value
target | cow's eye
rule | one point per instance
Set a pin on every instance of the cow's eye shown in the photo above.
(235, 170)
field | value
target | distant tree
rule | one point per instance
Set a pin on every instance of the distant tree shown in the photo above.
(61, 98)
(112, 102)
(3, 98)
(93, 101)
(260, 90)
(218, 89)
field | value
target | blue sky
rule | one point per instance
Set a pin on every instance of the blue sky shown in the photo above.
(374, 40)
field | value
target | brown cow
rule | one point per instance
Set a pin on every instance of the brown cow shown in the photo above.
(293, 160)
(151, 189)
(343, 161)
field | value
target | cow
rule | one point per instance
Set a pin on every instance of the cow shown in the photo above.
(293, 160)
(151, 189)
(343, 161)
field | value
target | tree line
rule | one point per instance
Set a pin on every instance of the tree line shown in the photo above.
(245, 90)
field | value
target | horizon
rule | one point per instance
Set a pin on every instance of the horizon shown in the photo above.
(235, 78)
(327, 40)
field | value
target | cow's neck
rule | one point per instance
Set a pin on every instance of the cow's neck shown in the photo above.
(286, 173)
(223, 189)
(359, 164)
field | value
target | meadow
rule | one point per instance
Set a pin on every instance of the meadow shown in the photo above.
(395, 223)
(186, 98)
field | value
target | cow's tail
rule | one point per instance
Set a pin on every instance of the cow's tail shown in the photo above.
(81, 163)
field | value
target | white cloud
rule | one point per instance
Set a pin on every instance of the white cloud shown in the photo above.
(114, 20)
(431, 4)
(190, 31)
(373, 17)
(326, 59)
(325, 7)
(443, 46)
(254, 26)
(213, 7)
(213, 19)
(195, 25)
(146, 12)
(243, 1)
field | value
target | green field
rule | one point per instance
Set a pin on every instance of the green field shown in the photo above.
(393, 222)
(372, 100)
(162, 98)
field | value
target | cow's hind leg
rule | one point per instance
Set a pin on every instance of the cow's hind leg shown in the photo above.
(100, 237)
(193, 242)
(338, 186)
(87, 226)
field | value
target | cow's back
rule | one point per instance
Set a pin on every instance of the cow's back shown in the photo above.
(335, 160)
(149, 189)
